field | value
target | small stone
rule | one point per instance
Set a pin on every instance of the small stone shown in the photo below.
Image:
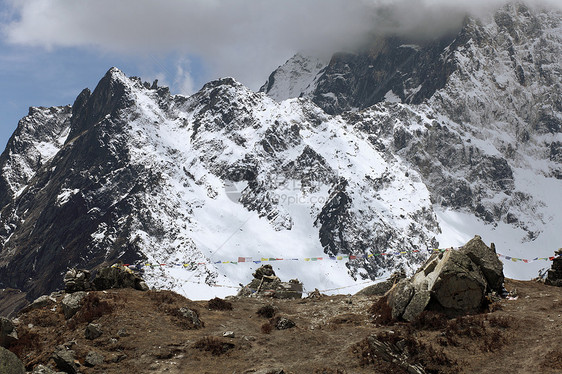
(270, 371)
(93, 331)
(192, 315)
(118, 357)
(229, 334)
(284, 323)
(42, 369)
(69, 344)
(122, 333)
(93, 358)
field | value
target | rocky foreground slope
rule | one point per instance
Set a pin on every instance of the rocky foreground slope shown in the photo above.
(128, 330)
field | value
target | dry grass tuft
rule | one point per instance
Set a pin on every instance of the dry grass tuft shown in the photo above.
(428, 320)
(381, 312)
(266, 311)
(219, 304)
(214, 345)
(267, 328)
(92, 309)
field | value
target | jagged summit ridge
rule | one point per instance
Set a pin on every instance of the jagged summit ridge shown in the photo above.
(143, 177)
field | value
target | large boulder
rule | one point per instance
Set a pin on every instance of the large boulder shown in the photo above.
(118, 276)
(8, 333)
(487, 260)
(450, 282)
(10, 363)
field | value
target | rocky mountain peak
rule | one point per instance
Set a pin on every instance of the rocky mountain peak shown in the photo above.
(378, 157)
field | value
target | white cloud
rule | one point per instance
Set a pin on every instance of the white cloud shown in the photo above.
(183, 79)
(242, 38)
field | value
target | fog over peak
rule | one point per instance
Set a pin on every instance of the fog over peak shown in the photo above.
(241, 38)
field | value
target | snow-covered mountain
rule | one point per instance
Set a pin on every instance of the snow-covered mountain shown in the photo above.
(401, 148)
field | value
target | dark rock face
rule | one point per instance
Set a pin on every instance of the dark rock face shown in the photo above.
(11, 301)
(66, 202)
(412, 72)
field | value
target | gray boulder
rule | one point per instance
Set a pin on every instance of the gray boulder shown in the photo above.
(40, 303)
(93, 331)
(8, 333)
(10, 363)
(283, 323)
(93, 358)
(487, 260)
(65, 360)
(192, 316)
(449, 282)
(72, 303)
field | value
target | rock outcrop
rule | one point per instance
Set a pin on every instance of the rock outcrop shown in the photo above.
(453, 282)
(118, 277)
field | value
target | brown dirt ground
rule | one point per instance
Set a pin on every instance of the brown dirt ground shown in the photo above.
(519, 336)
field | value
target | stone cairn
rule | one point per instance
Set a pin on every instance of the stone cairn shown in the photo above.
(267, 284)
(554, 276)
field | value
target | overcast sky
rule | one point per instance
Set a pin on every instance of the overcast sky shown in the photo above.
(51, 49)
